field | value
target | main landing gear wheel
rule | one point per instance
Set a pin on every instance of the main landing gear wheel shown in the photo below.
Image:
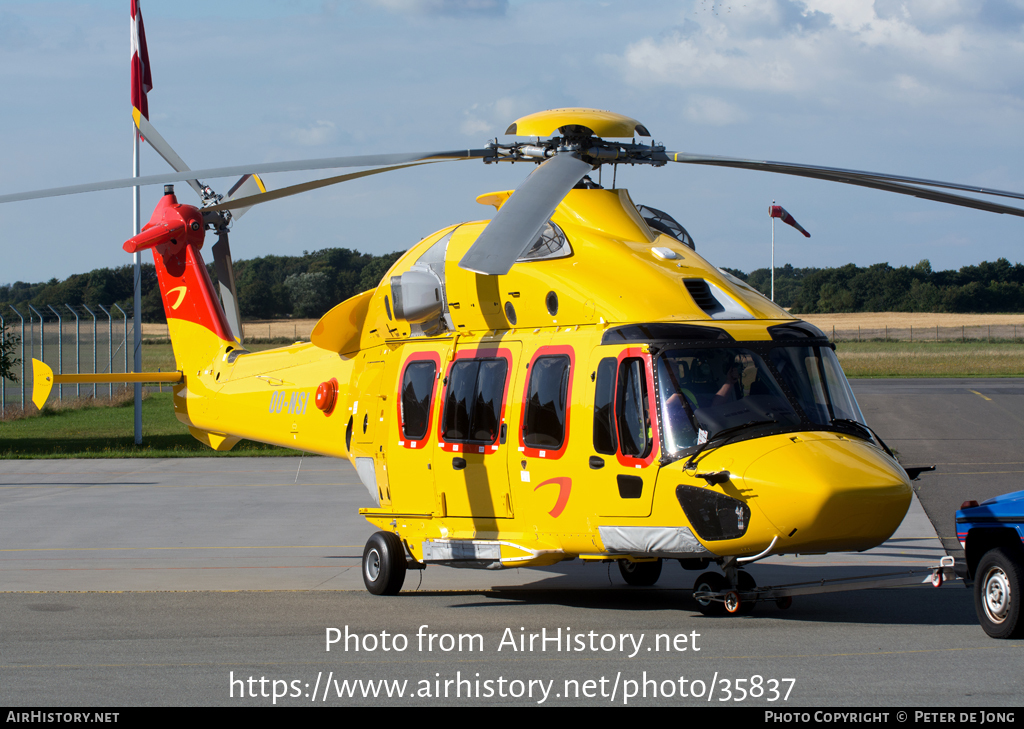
(710, 582)
(384, 564)
(997, 594)
(640, 574)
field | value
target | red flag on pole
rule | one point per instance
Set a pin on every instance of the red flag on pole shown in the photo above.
(142, 79)
(777, 211)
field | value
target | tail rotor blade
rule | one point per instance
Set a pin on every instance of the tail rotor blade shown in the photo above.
(520, 219)
(226, 283)
(157, 142)
(247, 186)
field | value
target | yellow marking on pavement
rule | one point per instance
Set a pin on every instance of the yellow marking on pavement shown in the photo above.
(980, 395)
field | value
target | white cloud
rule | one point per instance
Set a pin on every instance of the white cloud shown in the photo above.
(314, 135)
(495, 116)
(445, 7)
(714, 111)
(807, 47)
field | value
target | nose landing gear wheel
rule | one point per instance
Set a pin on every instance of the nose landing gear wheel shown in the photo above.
(384, 564)
(710, 582)
(640, 574)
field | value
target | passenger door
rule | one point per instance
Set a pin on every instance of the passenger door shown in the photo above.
(470, 471)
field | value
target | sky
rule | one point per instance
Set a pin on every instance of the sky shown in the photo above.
(927, 88)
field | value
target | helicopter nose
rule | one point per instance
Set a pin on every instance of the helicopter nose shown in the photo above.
(829, 493)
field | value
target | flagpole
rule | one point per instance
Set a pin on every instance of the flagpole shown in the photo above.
(773, 256)
(137, 303)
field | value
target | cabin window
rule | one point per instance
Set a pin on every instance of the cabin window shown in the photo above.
(631, 405)
(544, 420)
(417, 391)
(472, 407)
(604, 407)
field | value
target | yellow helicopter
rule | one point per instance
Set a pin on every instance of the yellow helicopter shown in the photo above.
(567, 380)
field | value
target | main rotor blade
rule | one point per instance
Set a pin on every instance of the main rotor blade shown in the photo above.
(248, 201)
(877, 180)
(326, 163)
(157, 142)
(520, 219)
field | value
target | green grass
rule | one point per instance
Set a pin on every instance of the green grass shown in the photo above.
(931, 359)
(108, 432)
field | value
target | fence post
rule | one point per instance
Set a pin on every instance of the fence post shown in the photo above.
(42, 333)
(110, 348)
(60, 350)
(963, 336)
(78, 351)
(22, 354)
(911, 332)
(125, 336)
(84, 306)
(3, 380)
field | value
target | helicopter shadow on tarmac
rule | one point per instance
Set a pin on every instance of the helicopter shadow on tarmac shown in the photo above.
(604, 590)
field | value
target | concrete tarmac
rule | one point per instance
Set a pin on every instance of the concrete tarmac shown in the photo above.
(165, 582)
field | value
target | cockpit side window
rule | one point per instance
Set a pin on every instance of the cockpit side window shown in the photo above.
(604, 407)
(631, 406)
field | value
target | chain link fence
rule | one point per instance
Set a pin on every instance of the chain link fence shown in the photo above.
(79, 339)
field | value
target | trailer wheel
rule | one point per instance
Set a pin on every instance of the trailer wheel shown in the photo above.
(784, 603)
(733, 604)
(710, 582)
(997, 594)
(640, 574)
(384, 564)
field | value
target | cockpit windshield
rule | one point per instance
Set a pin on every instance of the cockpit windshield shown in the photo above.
(706, 390)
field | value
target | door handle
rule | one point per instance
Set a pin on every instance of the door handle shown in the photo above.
(596, 462)
(458, 463)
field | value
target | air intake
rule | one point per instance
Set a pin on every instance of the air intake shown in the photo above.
(702, 295)
(715, 302)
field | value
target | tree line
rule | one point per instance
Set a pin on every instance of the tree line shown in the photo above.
(269, 287)
(306, 286)
(988, 287)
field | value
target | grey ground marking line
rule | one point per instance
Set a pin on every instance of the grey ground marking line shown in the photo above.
(297, 470)
(334, 577)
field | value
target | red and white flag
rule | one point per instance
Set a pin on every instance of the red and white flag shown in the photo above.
(777, 211)
(142, 79)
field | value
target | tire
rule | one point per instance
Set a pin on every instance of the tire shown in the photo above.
(384, 564)
(640, 574)
(997, 593)
(710, 582)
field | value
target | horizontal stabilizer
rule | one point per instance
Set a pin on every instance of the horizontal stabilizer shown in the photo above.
(43, 379)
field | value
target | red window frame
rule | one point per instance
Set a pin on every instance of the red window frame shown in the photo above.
(530, 451)
(417, 357)
(632, 461)
(478, 353)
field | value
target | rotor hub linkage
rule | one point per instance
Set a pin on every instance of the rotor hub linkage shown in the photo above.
(591, 149)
